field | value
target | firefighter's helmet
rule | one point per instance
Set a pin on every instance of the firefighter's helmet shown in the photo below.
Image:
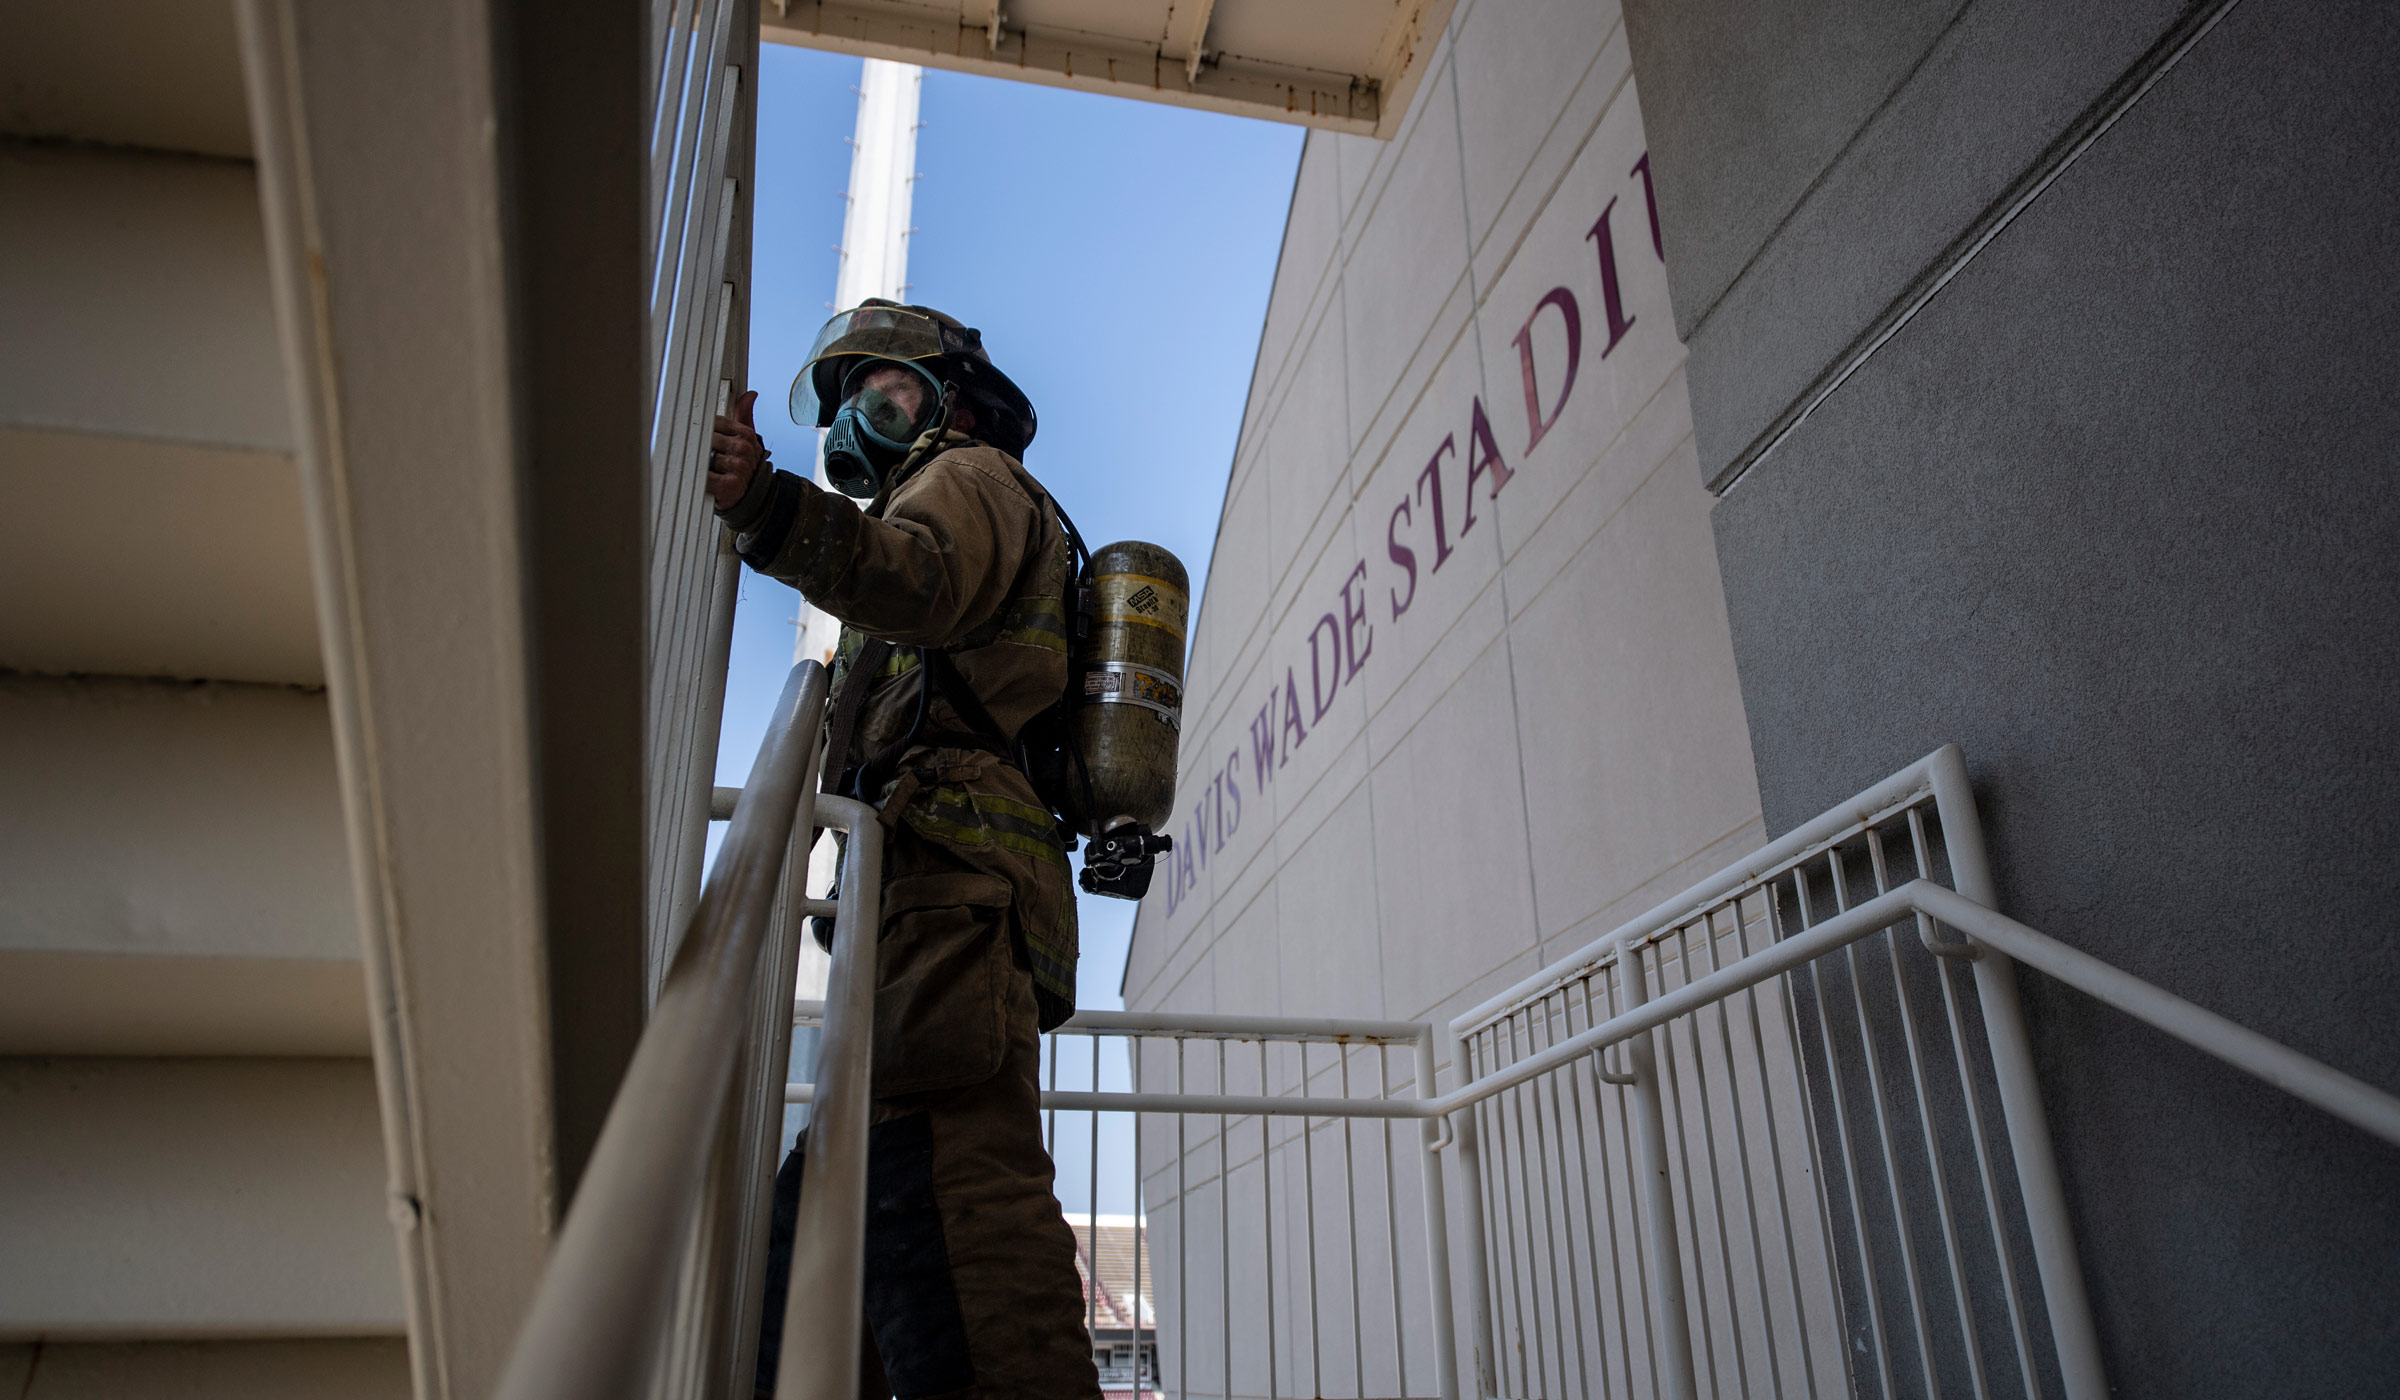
(945, 349)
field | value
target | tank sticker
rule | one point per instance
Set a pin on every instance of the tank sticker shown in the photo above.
(1124, 683)
(1141, 599)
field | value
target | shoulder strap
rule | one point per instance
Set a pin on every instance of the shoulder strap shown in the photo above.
(856, 682)
(945, 678)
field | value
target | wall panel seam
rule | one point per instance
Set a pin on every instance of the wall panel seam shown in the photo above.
(2029, 186)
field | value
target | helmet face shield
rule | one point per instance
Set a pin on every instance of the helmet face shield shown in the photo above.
(875, 331)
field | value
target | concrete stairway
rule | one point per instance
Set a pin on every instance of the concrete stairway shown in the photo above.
(191, 1154)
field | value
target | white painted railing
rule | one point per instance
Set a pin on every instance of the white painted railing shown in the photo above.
(1818, 1163)
(1302, 1241)
(1755, 1142)
(654, 1287)
(1792, 1183)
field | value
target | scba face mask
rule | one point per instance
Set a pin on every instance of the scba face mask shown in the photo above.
(872, 433)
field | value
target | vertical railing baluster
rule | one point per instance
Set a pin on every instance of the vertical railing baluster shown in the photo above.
(1437, 1227)
(1266, 1193)
(1391, 1228)
(1349, 1126)
(1183, 1242)
(1561, 1218)
(2064, 1297)
(1224, 1229)
(1933, 1150)
(1688, 1217)
(1671, 1345)
(1716, 1175)
(1141, 1220)
(1634, 1186)
(1599, 1137)
(1766, 1105)
(2019, 1331)
(1308, 1184)
(1883, 1136)
(1518, 1264)
(1849, 1164)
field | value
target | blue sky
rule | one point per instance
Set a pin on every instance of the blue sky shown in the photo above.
(1116, 255)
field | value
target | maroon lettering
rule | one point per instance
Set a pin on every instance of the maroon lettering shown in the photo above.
(1658, 242)
(1279, 728)
(1537, 423)
(1291, 719)
(1354, 615)
(1262, 742)
(1233, 785)
(1318, 690)
(1483, 457)
(1611, 297)
(1402, 555)
(1432, 477)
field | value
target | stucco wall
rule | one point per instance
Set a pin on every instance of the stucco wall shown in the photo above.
(1461, 696)
(1461, 692)
(2113, 511)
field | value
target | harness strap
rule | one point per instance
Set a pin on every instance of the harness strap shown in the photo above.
(846, 707)
(966, 703)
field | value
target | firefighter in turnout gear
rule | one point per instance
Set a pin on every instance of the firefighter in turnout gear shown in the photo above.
(952, 582)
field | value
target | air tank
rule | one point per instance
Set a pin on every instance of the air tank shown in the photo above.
(1131, 709)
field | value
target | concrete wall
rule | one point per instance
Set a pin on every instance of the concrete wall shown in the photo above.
(1423, 756)
(1461, 693)
(149, 1198)
(192, 1174)
(173, 879)
(153, 520)
(347, 1369)
(2112, 508)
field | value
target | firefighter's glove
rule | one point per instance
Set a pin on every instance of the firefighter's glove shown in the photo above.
(739, 472)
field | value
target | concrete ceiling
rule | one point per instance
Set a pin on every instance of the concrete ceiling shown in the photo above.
(150, 511)
(1341, 65)
(164, 75)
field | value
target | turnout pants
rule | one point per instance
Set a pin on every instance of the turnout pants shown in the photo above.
(971, 1283)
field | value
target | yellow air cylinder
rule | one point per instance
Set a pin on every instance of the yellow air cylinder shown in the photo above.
(1131, 705)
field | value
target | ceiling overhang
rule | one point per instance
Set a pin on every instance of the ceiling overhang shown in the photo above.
(1337, 65)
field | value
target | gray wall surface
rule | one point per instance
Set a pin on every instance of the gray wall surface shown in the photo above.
(2114, 510)
(1791, 250)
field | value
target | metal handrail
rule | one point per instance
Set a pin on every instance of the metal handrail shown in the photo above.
(602, 1312)
(2339, 1094)
(1989, 941)
(1952, 925)
(2354, 1101)
(602, 1316)
(821, 1317)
